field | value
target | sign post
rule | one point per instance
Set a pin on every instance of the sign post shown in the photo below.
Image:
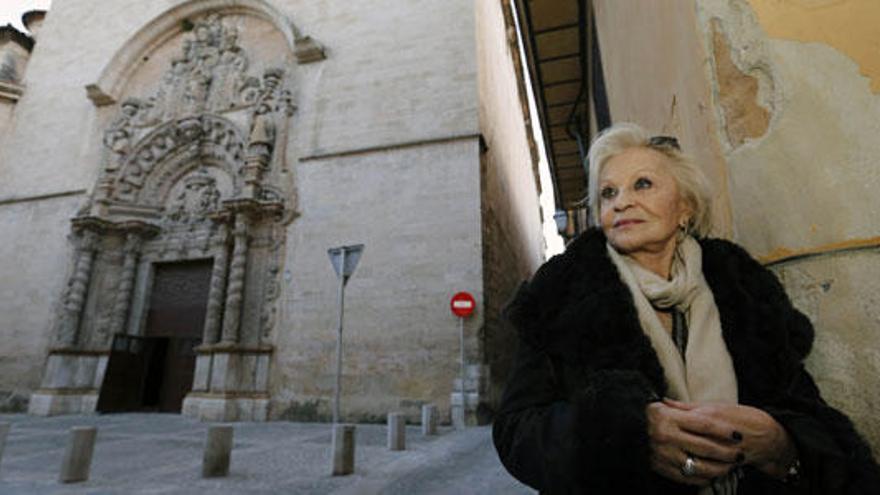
(344, 260)
(462, 306)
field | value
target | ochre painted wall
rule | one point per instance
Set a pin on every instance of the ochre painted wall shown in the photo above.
(849, 26)
(803, 180)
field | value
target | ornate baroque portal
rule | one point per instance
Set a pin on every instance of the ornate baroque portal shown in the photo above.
(193, 171)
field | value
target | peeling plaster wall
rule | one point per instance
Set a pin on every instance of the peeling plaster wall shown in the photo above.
(841, 296)
(848, 26)
(806, 182)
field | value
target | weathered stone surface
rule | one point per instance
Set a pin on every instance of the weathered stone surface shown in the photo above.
(396, 431)
(13, 401)
(429, 419)
(343, 450)
(218, 451)
(77, 460)
(838, 293)
(4, 432)
(469, 408)
(512, 240)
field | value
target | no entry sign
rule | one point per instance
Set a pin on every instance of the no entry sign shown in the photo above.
(462, 304)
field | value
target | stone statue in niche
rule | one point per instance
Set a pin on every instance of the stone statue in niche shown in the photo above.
(195, 96)
(272, 98)
(229, 77)
(198, 197)
(261, 140)
(120, 136)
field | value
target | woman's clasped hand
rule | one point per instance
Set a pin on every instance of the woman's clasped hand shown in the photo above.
(718, 438)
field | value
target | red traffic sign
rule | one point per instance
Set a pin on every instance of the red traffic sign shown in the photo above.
(462, 304)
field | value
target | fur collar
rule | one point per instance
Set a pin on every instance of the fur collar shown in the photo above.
(578, 311)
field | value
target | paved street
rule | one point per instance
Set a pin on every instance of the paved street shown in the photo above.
(162, 454)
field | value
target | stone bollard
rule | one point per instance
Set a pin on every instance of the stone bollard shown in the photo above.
(396, 431)
(4, 430)
(78, 456)
(218, 447)
(343, 449)
(429, 419)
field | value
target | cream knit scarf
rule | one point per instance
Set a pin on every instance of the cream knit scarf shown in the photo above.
(706, 373)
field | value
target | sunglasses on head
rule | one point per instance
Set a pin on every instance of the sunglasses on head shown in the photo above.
(664, 141)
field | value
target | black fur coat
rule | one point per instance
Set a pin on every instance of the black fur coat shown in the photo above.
(572, 418)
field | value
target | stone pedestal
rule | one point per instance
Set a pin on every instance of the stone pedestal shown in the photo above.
(343, 446)
(429, 419)
(396, 431)
(218, 450)
(4, 431)
(231, 383)
(465, 406)
(77, 459)
(71, 383)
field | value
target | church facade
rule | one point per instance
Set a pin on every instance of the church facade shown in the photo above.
(172, 182)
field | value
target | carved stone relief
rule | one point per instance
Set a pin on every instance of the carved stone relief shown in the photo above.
(206, 105)
(193, 161)
(195, 200)
(193, 168)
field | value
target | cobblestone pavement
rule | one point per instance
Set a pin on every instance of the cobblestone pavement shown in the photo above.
(162, 454)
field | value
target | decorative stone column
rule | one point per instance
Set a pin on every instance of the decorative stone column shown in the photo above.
(68, 334)
(214, 314)
(68, 384)
(235, 289)
(124, 287)
(231, 380)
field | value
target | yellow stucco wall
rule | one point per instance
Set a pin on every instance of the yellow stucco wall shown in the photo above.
(849, 26)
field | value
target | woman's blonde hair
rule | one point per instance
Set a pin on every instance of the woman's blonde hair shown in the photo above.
(692, 183)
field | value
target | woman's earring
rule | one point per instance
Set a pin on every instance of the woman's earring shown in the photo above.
(682, 229)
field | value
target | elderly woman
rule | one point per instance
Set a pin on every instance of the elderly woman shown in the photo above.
(653, 359)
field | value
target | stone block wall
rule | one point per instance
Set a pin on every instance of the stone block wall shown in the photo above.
(35, 263)
(513, 244)
(416, 210)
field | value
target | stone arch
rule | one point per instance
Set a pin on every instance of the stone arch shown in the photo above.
(113, 78)
(162, 157)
